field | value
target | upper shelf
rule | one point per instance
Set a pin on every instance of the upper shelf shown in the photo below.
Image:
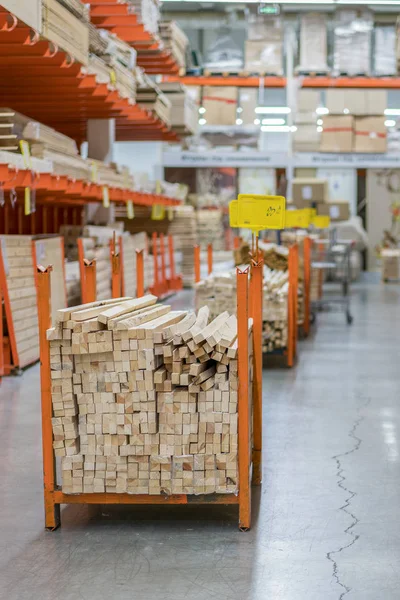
(280, 82)
(48, 85)
(119, 18)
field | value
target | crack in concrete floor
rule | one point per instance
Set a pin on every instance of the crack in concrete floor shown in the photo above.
(338, 458)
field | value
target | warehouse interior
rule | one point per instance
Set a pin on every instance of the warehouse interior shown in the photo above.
(199, 290)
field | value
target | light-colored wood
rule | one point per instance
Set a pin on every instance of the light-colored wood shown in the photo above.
(65, 313)
(144, 317)
(126, 307)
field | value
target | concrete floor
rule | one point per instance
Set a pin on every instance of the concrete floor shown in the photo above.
(325, 523)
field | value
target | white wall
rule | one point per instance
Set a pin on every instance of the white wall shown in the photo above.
(143, 157)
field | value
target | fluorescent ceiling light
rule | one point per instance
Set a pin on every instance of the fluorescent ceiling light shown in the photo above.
(320, 129)
(239, 109)
(392, 112)
(293, 128)
(202, 110)
(202, 121)
(273, 121)
(320, 122)
(239, 121)
(256, 121)
(322, 111)
(272, 110)
(390, 123)
(276, 128)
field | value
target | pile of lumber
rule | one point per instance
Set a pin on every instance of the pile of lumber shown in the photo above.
(150, 98)
(210, 228)
(275, 257)
(175, 41)
(130, 244)
(184, 111)
(184, 230)
(218, 292)
(148, 13)
(145, 399)
(64, 28)
(77, 8)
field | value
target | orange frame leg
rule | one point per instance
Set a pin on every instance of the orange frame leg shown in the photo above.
(197, 275)
(256, 289)
(243, 400)
(121, 264)
(210, 258)
(52, 510)
(307, 283)
(89, 271)
(139, 274)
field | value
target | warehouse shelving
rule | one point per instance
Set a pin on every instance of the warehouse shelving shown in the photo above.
(49, 75)
(119, 18)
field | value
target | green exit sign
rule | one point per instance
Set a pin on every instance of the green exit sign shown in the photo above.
(269, 9)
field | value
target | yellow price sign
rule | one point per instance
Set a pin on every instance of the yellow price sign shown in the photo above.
(106, 197)
(321, 221)
(157, 212)
(233, 213)
(26, 154)
(297, 218)
(27, 201)
(257, 212)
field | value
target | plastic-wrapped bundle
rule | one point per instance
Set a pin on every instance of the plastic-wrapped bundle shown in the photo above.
(264, 47)
(385, 50)
(313, 42)
(352, 42)
(224, 55)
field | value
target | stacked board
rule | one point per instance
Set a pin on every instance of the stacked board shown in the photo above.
(145, 399)
(184, 230)
(210, 228)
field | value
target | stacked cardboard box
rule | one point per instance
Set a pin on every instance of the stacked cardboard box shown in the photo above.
(145, 400)
(264, 47)
(184, 111)
(307, 192)
(390, 264)
(248, 100)
(307, 137)
(220, 105)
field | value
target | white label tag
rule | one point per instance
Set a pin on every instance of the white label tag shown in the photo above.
(334, 212)
(306, 192)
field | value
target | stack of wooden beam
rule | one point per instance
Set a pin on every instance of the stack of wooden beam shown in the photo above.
(150, 98)
(218, 292)
(175, 41)
(183, 228)
(145, 399)
(210, 228)
(184, 111)
(77, 8)
(61, 26)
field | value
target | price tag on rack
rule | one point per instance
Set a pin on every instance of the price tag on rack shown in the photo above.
(106, 197)
(26, 153)
(257, 212)
(130, 211)
(157, 212)
(321, 221)
(27, 201)
(300, 219)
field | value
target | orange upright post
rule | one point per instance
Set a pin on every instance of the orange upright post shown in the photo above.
(210, 258)
(243, 400)
(139, 274)
(256, 288)
(90, 288)
(296, 297)
(1, 337)
(121, 264)
(115, 270)
(197, 275)
(307, 245)
(81, 257)
(14, 362)
(52, 510)
(164, 285)
(292, 305)
(236, 242)
(156, 286)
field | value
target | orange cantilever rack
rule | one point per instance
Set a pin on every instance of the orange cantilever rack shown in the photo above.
(119, 18)
(60, 93)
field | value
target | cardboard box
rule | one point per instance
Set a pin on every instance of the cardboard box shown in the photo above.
(248, 100)
(356, 102)
(66, 31)
(306, 138)
(390, 263)
(309, 191)
(29, 11)
(337, 211)
(308, 100)
(337, 134)
(370, 134)
(220, 104)
(265, 56)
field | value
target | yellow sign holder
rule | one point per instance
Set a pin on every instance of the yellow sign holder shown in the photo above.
(256, 212)
(299, 219)
(321, 221)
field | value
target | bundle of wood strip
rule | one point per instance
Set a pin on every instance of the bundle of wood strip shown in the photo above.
(175, 41)
(210, 228)
(145, 399)
(183, 228)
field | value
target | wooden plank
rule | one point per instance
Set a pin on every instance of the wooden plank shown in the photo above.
(126, 307)
(135, 321)
(65, 313)
(94, 311)
(200, 323)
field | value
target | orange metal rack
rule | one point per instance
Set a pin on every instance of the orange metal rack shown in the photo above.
(120, 18)
(48, 74)
(249, 450)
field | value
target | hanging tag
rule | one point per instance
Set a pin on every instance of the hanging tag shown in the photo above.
(130, 211)
(158, 187)
(157, 212)
(27, 201)
(13, 197)
(113, 77)
(33, 192)
(93, 172)
(2, 199)
(170, 214)
(26, 153)
(106, 197)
